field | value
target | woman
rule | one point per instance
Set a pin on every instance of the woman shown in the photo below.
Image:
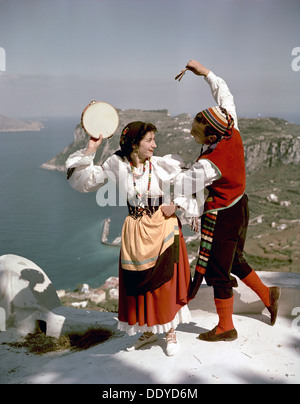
(154, 273)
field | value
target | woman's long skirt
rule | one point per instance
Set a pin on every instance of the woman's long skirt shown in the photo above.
(161, 309)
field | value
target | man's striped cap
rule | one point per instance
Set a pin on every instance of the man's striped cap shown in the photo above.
(219, 118)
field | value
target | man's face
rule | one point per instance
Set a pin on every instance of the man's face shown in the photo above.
(198, 132)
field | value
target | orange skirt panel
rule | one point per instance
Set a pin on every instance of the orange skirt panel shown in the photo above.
(161, 305)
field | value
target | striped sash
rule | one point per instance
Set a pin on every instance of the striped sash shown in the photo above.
(208, 223)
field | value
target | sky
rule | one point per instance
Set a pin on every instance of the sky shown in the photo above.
(58, 55)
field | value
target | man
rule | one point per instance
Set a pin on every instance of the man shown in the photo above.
(221, 168)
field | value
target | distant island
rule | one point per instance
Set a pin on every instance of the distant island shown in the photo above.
(15, 125)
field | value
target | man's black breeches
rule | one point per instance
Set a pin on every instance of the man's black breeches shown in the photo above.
(226, 256)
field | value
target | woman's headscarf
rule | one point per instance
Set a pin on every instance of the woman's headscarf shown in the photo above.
(133, 134)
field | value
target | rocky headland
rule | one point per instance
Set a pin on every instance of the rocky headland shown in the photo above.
(267, 141)
(15, 125)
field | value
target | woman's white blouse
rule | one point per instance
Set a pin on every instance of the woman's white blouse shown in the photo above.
(89, 177)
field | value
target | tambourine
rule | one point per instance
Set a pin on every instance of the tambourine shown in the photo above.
(100, 118)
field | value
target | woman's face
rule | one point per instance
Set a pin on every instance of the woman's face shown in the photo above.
(147, 146)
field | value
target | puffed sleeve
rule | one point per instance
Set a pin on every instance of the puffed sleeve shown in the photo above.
(169, 170)
(85, 176)
(168, 166)
(190, 187)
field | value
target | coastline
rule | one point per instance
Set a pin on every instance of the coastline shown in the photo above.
(30, 129)
(103, 298)
(53, 167)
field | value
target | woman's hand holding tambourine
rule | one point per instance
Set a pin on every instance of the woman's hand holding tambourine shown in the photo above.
(100, 117)
(93, 145)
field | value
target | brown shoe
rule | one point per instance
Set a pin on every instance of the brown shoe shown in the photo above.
(211, 336)
(274, 298)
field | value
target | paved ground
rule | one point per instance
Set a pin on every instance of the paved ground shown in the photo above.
(261, 354)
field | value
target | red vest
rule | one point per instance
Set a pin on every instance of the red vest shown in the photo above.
(228, 158)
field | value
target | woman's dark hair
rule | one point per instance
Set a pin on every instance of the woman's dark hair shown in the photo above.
(132, 135)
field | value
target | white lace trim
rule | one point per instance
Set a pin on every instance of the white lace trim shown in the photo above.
(182, 316)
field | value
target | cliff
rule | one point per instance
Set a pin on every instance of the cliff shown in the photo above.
(267, 141)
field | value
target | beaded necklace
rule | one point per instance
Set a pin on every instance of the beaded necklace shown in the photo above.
(138, 195)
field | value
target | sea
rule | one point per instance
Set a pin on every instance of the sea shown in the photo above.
(44, 220)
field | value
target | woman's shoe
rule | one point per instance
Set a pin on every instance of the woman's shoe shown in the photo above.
(172, 343)
(144, 339)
